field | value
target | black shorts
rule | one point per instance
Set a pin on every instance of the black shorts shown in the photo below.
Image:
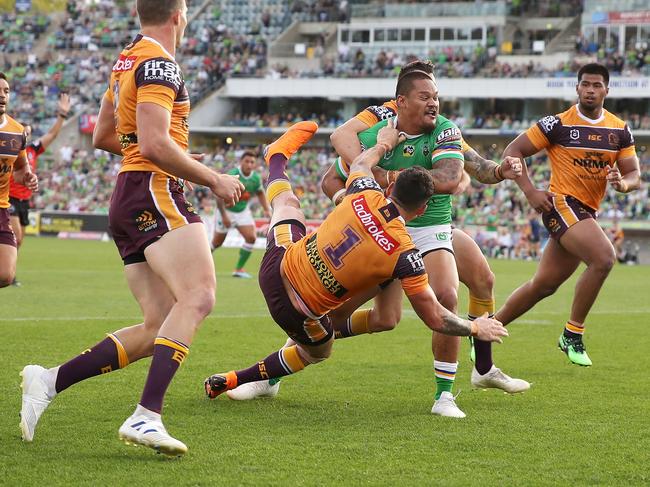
(300, 327)
(566, 212)
(19, 208)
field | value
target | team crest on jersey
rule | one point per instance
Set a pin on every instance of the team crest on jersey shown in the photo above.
(124, 63)
(574, 134)
(388, 155)
(448, 135)
(408, 151)
(547, 123)
(426, 150)
(613, 140)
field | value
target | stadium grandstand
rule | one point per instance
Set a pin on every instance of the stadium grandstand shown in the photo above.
(254, 67)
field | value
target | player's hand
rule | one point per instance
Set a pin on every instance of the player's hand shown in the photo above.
(228, 188)
(64, 104)
(390, 136)
(489, 329)
(511, 167)
(30, 180)
(541, 200)
(615, 178)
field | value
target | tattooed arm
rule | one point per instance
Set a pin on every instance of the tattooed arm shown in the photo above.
(436, 317)
(489, 172)
(447, 174)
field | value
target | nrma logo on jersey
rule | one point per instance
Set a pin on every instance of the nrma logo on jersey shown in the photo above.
(372, 226)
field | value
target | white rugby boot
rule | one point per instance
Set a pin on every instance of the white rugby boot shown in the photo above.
(446, 406)
(148, 430)
(496, 379)
(253, 390)
(37, 396)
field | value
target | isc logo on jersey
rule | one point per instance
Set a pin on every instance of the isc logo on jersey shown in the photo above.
(124, 63)
(163, 70)
(370, 223)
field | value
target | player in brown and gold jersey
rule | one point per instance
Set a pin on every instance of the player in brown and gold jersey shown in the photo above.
(13, 159)
(588, 148)
(159, 235)
(361, 244)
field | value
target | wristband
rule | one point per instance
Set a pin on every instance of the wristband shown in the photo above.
(497, 173)
(336, 199)
(474, 331)
(385, 146)
(64, 116)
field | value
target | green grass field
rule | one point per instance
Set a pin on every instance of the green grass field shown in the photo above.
(361, 418)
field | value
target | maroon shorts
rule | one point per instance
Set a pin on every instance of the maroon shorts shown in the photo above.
(566, 212)
(7, 236)
(144, 207)
(300, 327)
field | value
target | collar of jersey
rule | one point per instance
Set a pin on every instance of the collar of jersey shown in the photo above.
(151, 39)
(590, 120)
(408, 136)
(242, 174)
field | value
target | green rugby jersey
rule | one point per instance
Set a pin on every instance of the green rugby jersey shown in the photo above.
(421, 150)
(252, 184)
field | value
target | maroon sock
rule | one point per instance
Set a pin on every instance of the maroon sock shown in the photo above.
(168, 355)
(277, 166)
(101, 359)
(278, 364)
(483, 351)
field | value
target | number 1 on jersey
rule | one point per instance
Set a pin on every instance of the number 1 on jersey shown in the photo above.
(336, 253)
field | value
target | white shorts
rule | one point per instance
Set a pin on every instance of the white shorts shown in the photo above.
(431, 238)
(237, 219)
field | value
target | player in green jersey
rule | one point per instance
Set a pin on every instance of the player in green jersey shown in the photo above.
(239, 215)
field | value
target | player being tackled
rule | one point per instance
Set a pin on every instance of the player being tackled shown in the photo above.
(361, 244)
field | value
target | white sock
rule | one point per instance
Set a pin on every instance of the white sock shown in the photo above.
(49, 378)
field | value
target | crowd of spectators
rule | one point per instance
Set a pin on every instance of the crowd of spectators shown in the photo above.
(270, 120)
(635, 60)
(20, 32)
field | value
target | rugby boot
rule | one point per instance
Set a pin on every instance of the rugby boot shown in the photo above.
(574, 349)
(446, 406)
(241, 273)
(36, 398)
(295, 137)
(148, 430)
(217, 384)
(253, 390)
(496, 379)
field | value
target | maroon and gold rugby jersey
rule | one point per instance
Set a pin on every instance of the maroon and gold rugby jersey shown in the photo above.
(146, 73)
(12, 144)
(376, 113)
(361, 244)
(580, 149)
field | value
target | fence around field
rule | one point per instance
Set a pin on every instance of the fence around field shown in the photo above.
(94, 226)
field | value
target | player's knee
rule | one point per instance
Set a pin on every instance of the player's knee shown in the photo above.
(6, 277)
(448, 297)
(250, 240)
(543, 290)
(199, 301)
(386, 320)
(292, 200)
(605, 262)
(481, 282)
(315, 355)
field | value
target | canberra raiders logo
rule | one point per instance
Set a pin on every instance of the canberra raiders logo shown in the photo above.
(408, 151)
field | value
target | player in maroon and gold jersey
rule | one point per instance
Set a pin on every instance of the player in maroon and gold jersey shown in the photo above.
(588, 148)
(361, 244)
(159, 235)
(19, 194)
(12, 159)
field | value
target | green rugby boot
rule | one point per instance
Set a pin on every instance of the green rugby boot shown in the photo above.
(575, 350)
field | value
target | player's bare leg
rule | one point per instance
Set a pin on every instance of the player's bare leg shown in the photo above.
(588, 241)
(8, 258)
(443, 279)
(248, 233)
(120, 349)
(218, 239)
(474, 271)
